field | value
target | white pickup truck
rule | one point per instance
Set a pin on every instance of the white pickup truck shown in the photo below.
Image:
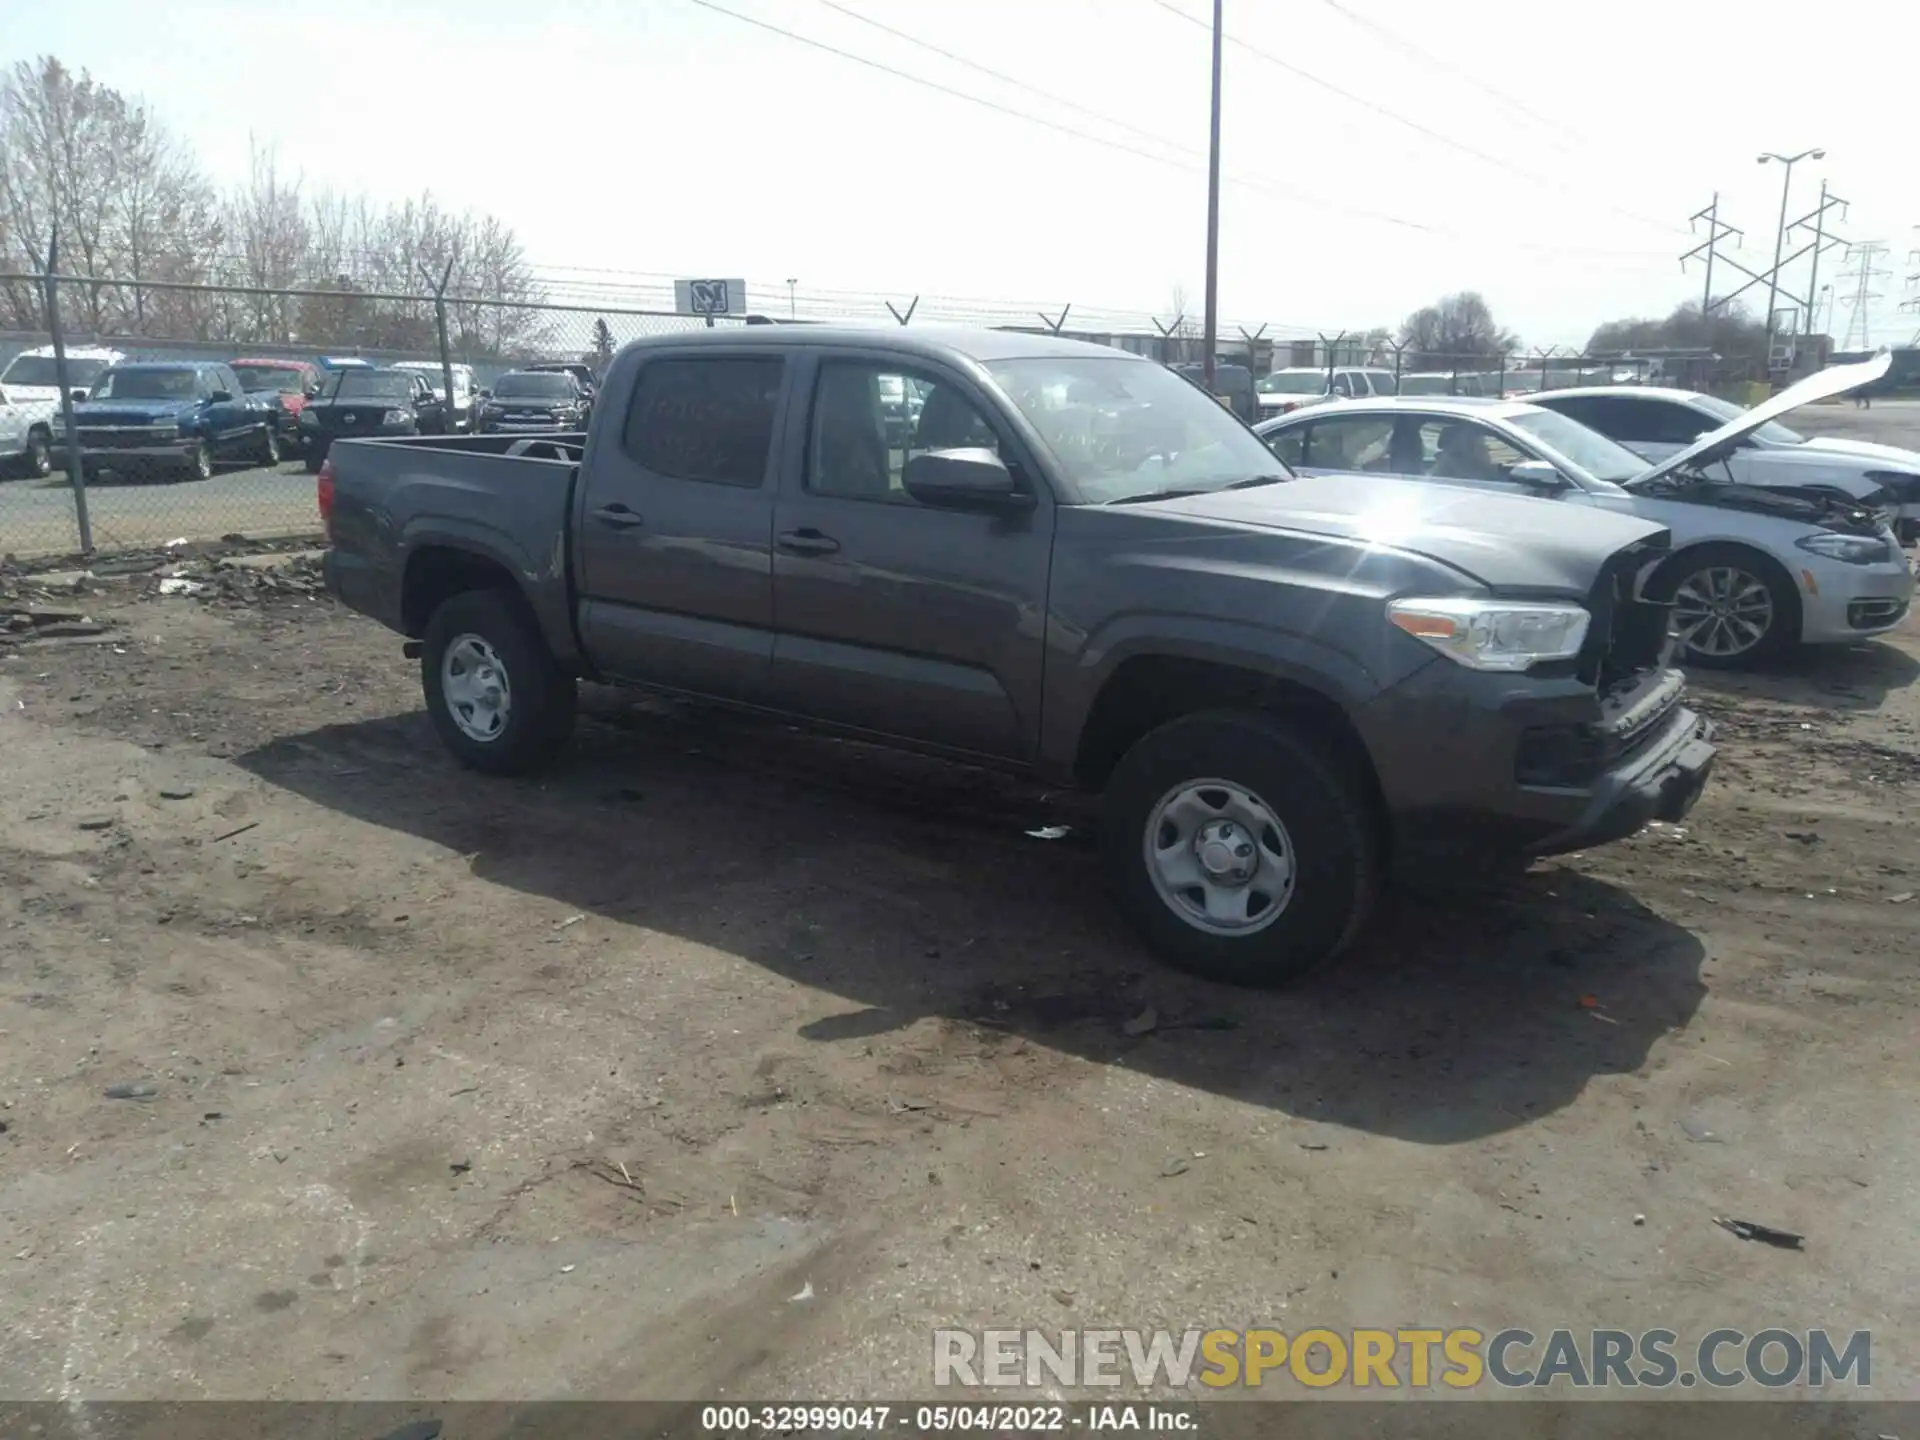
(30, 398)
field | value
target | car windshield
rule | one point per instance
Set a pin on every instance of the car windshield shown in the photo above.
(1292, 382)
(534, 385)
(369, 385)
(1771, 433)
(146, 385)
(1124, 429)
(39, 370)
(287, 379)
(1589, 449)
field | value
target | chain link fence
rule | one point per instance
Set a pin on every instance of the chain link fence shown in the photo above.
(142, 483)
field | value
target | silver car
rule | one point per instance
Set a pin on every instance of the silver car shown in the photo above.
(1655, 423)
(1758, 568)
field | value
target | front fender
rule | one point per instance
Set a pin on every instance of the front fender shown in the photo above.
(1074, 680)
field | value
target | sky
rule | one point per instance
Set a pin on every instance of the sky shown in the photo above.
(1376, 153)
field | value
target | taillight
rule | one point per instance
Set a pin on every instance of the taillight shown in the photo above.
(323, 492)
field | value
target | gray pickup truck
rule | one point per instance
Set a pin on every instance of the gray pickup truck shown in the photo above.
(1072, 563)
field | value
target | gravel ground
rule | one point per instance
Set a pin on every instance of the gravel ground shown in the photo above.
(569, 1086)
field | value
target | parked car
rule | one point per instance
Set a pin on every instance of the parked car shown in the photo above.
(32, 377)
(1275, 682)
(1754, 570)
(26, 438)
(1232, 386)
(1655, 423)
(327, 364)
(361, 400)
(465, 389)
(582, 373)
(534, 400)
(1284, 391)
(172, 418)
(287, 382)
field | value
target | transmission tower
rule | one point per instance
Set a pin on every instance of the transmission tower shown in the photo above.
(1913, 283)
(1709, 249)
(1864, 253)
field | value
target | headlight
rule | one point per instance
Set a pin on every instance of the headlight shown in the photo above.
(1486, 634)
(396, 417)
(307, 417)
(1854, 549)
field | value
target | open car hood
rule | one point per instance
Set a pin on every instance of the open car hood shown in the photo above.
(1715, 444)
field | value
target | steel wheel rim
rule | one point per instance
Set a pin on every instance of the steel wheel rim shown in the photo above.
(474, 684)
(40, 457)
(1219, 857)
(1722, 611)
(203, 462)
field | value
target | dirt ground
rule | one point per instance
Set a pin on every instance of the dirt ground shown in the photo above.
(576, 1086)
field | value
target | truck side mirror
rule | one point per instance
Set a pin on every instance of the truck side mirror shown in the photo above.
(966, 478)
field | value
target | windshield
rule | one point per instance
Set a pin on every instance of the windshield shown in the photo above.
(287, 379)
(1589, 449)
(146, 385)
(39, 370)
(370, 385)
(1123, 428)
(1293, 382)
(534, 385)
(1771, 433)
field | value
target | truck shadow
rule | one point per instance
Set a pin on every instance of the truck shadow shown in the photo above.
(912, 889)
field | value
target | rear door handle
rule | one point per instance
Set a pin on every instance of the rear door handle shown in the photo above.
(618, 517)
(808, 542)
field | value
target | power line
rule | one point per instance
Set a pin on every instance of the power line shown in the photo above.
(1378, 109)
(1401, 42)
(1265, 186)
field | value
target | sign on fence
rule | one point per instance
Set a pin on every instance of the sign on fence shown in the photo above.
(710, 297)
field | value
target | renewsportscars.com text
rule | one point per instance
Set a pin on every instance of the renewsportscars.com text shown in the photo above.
(1459, 1358)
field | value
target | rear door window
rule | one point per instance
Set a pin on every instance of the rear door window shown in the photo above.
(708, 419)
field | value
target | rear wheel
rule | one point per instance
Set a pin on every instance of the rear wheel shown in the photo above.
(495, 695)
(1733, 607)
(1242, 849)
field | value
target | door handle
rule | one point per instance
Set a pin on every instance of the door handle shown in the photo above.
(808, 542)
(618, 517)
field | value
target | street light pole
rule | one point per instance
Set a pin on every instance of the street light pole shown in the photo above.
(1212, 327)
(1780, 234)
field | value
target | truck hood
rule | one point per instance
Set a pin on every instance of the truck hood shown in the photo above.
(1505, 542)
(1716, 444)
(130, 412)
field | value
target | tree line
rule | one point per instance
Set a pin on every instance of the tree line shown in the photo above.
(133, 206)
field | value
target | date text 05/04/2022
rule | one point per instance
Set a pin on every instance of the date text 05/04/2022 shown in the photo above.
(980, 1419)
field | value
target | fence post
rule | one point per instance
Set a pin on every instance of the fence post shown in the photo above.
(440, 324)
(76, 476)
(903, 319)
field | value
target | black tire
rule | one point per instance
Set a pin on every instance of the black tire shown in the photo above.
(37, 463)
(270, 444)
(1783, 629)
(541, 696)
(314, 461)
(1323, 807)
(197, 463)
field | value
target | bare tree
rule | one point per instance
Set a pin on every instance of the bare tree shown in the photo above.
(1457, 327)
(268, 223)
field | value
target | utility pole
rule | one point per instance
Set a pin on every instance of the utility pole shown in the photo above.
(1717, 230)
(1780, 236)
(791, 311)
(1866, 252)
(1212, 326)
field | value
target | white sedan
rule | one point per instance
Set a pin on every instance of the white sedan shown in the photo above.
(1753, 570)
(1656, 423)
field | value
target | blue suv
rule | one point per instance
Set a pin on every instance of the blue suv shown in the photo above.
(174, 417)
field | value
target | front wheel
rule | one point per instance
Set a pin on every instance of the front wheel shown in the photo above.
(270, 445)
(1241, 847)
(315, 459)
(37, 461)
(199, 462)
(495, 695)
(1733, 608)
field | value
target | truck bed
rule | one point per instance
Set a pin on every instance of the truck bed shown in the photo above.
(398, 503)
